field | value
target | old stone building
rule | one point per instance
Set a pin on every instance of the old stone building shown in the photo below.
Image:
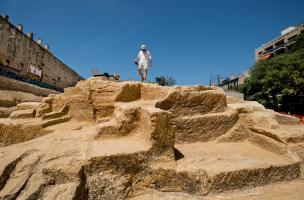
(30, 61)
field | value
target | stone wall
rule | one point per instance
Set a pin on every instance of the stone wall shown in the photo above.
(237, 95)
(19, 51)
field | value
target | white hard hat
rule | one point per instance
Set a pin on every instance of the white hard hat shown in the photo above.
(143, 46)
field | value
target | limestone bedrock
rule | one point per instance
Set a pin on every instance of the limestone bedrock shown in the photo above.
(122, 140)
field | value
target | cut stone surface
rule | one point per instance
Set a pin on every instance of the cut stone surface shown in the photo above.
(287, 120)
(120, 140)
(50, 122)
(43, 109)
(24, 130)
(292, 134)
(280, 191)
(28, 105)
(247, 106)
(56, 114)
(5, 112)
(22, 114)
(199, 101)
(216, 158)
(10, 98)
(193, 128)
(224, 166)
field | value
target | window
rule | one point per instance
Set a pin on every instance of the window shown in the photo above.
(7, 62)
(281, 42)
(268, 48)
(58, 79)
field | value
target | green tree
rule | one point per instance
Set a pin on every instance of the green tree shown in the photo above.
(278, 83)
(165, 81)
(299, 44)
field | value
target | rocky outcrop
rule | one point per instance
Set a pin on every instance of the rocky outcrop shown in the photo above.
(23, 114)
(12, 98)
(5, 112)
(28, 105)
(9, 100)
(121, 140)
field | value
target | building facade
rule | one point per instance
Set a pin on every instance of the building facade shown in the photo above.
(280, 44)
(234, 82)
(23, 58)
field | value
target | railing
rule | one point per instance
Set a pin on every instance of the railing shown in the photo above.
(298, 27)
(25, 79)
(279, 47)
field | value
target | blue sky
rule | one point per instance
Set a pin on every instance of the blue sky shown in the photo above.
(188, 39)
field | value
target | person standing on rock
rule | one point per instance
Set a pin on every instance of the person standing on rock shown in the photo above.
(144, 61)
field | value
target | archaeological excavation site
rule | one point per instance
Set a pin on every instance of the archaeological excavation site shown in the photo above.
(128, 140)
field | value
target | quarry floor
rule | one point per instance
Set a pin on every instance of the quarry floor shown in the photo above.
(214, 158)
(287, 190)
(293, 190)
(237, 147)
